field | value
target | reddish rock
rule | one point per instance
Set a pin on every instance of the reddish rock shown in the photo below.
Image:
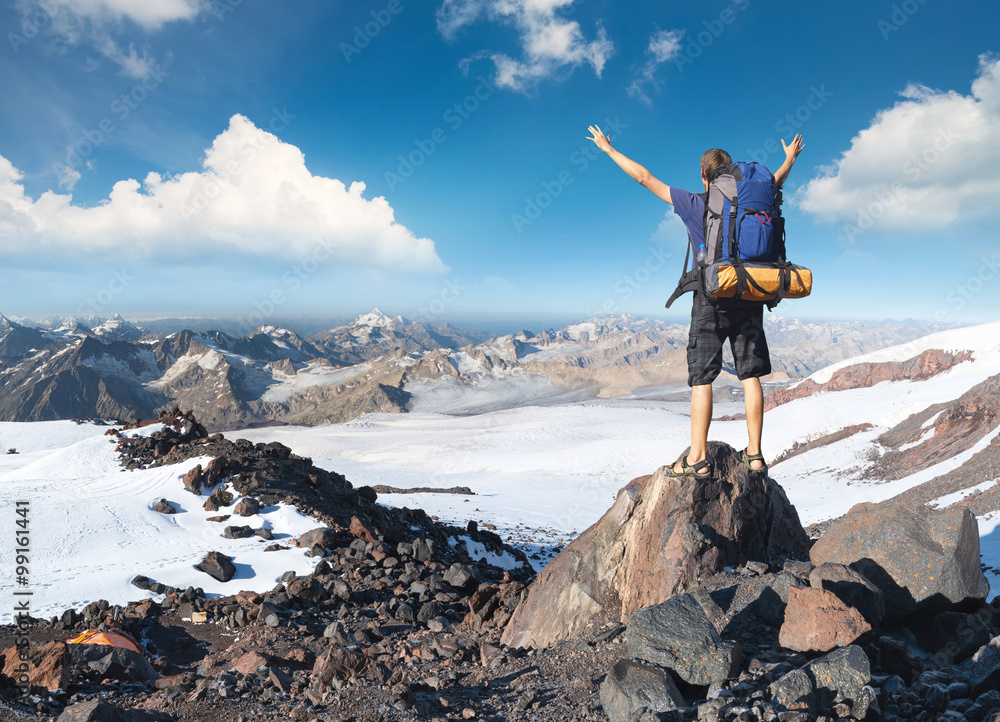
(864, 375)
(361, 530)
(249, 662)
(335, 663)
(46, 666)
(661, 535)
(817, 621)
(940, 432)
(918, 556)
(193, 480)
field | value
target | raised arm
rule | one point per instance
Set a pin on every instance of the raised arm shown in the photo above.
(635, 171)
(791, 153)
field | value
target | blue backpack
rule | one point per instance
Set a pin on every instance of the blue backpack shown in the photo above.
(742, 255)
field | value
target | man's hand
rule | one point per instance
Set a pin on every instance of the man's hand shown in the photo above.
(635, 171)
(600, 140)
(793, 149)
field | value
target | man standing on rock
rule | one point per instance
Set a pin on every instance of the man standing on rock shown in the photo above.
(713, 320)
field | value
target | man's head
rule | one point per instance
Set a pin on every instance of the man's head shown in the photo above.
(711, 160)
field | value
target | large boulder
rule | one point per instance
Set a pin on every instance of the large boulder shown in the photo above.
(114, 662)
(46, 666)
(840, 676)
(918, 556)
(659, 537)
(678, 635)
(630, 686)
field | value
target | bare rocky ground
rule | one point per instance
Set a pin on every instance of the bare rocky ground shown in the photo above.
(396, 623)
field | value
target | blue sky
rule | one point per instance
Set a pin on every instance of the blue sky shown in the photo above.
(262, 160)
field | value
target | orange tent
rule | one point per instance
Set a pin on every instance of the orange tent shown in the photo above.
(111, 637)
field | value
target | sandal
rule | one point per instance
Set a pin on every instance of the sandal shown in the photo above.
(701, 470)
(748, 459)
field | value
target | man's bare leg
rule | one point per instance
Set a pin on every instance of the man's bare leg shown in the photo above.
(753, 402)
(701, 419)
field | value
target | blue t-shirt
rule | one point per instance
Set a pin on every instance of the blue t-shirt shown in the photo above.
(691, 209)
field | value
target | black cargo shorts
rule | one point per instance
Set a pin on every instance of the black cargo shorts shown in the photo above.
(712, 322)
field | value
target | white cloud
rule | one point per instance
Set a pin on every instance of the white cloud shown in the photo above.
(664, 46)
(254, 196)
(931, 159)
(549, 43)
(150, 14)
(69, 23)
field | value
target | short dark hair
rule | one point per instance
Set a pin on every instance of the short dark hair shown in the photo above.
(712, 160)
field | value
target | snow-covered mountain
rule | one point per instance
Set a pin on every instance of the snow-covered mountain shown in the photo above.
(918, 422)
(371, 364)
(117, 328)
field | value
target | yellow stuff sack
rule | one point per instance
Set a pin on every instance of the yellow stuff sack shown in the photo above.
(760, 283)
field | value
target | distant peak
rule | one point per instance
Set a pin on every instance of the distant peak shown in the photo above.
(376, 319)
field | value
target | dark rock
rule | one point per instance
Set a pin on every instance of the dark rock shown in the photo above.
(164, 507)
(237, 532)
(852, 588)
(817, 621)
(424, 549)
(630, 686)
(368, 494)
(324, 536)
(264, 533)
(218, 499)
(677, 634)
(840, 676)
(337, 633)
(335, 664)
(659, 538)
(141, 582)
(982, 671)
(247, 506)
(895, 657)
(116, 662)
(461, 576)
(97, 710)
(956, 636)
(918, 556)
(798, 568)
(217, 565)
